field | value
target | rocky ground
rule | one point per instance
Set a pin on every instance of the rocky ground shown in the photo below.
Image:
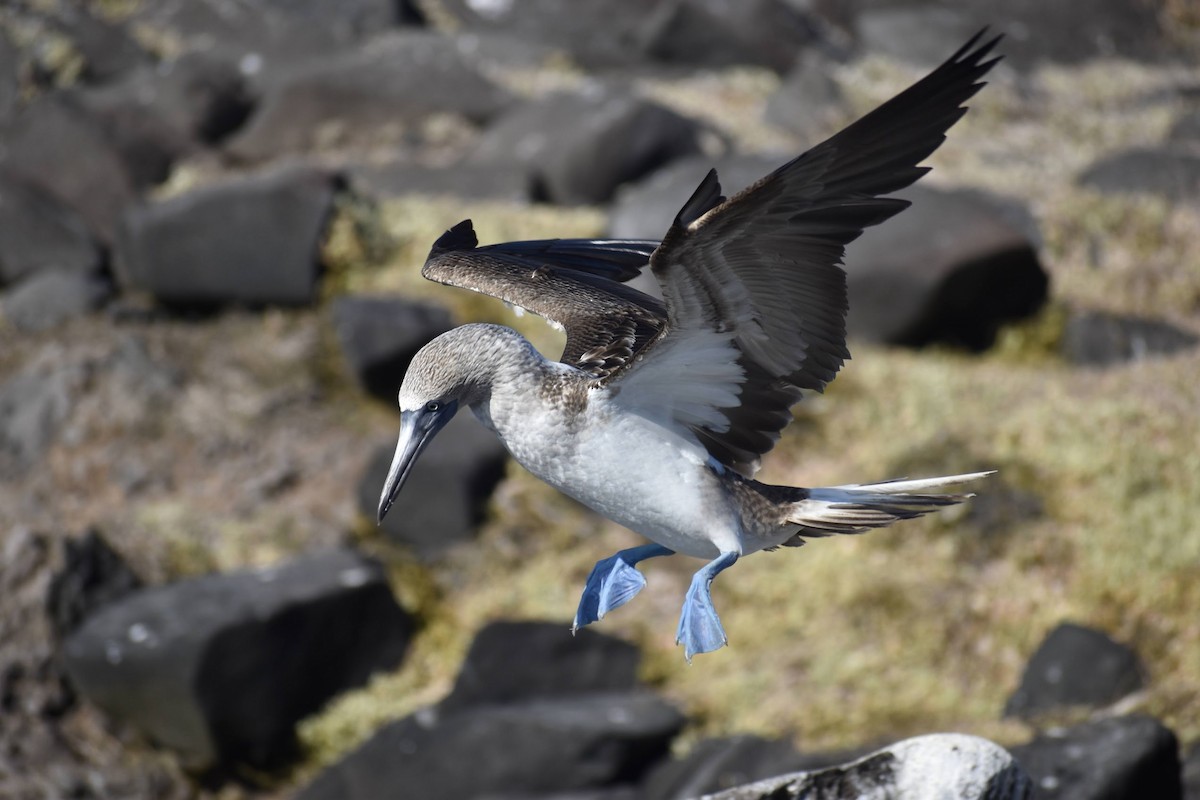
(212, 216)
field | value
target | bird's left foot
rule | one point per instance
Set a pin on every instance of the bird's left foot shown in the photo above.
(613, 582)
(700, 629)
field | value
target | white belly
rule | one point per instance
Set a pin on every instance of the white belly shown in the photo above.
(639, 474)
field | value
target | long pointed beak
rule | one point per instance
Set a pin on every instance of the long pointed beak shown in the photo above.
(417, 429)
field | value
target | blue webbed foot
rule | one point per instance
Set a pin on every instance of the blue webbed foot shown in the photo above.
(613, 582)
(700, 628)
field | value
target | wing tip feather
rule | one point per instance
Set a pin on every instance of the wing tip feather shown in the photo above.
(460, 237)
(706, 197)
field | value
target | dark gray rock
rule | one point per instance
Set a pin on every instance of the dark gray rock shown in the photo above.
(92, 576)
(148, 145)
(251, 240)
(1035, 32)
(949, 269)
(38, 233)
(380, 335)
(197, 98)
(1191, 773)
(596, 33)
(1121, 758)
(511, 662)
(536, 747)
(1100, 338)
(34, 403)
(941, 765)
(1075, 666)
(579, 147)
(714, 765)
(607, 793)
(718, 33)
(501, 181)
(393, 80)
(489, 51)
(809, 100)
(349, 19)
(57, 145)
(1172, 174)
(50, 298)
(10, 73)
(262, 40)
(1186, 130)
(645, 210)
(108, 49)
(445, 497)
(221, 668)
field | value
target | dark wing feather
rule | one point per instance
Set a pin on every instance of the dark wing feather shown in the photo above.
(765, 265)
(573, 283)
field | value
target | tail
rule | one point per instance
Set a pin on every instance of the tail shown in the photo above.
(855, 508)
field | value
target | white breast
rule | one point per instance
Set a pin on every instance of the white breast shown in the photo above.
(643, 475)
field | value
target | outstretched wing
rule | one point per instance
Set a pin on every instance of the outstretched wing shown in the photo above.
(754, 283)
(573, 283)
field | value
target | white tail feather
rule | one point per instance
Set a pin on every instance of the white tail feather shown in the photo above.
(855, 508)
(903, 485)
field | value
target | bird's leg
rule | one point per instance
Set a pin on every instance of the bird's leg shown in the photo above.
(700, 628)
(613, 583)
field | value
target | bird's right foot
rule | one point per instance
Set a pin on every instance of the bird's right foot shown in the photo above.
(613, 582)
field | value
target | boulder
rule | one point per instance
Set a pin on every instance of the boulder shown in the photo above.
(1184, 131)
(39, 233)
(10, 78)
(252, 240)
(108, 49)
(57, 145)
(500, 181)
(532, 748)
(262, 40)
(1075, 666)
(613, 34)
(809, 101)
(194, 99)
(34, 403)
(596, 33)
(931, 767)
(1035, 32)
(1120, 758)
(445, 497)
(51, 297)
(950, 269)
(1101, 338)
(349, 19)
(579, 147)
(1173, 174)
(380, 335)
(393, 81)
(646, 209)
(92, 576)
(220, 668)
(511, 662)
(714, 765)
(718, 33)
(1191, 773)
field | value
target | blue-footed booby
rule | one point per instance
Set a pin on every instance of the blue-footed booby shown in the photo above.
(658, 413)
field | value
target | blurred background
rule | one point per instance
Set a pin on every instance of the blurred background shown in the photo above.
(212, 218)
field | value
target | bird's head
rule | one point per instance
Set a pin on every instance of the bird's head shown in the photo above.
(440, 379)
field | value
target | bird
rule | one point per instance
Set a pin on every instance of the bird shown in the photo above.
(658, 412)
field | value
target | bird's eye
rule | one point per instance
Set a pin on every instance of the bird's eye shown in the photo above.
(433, 406)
